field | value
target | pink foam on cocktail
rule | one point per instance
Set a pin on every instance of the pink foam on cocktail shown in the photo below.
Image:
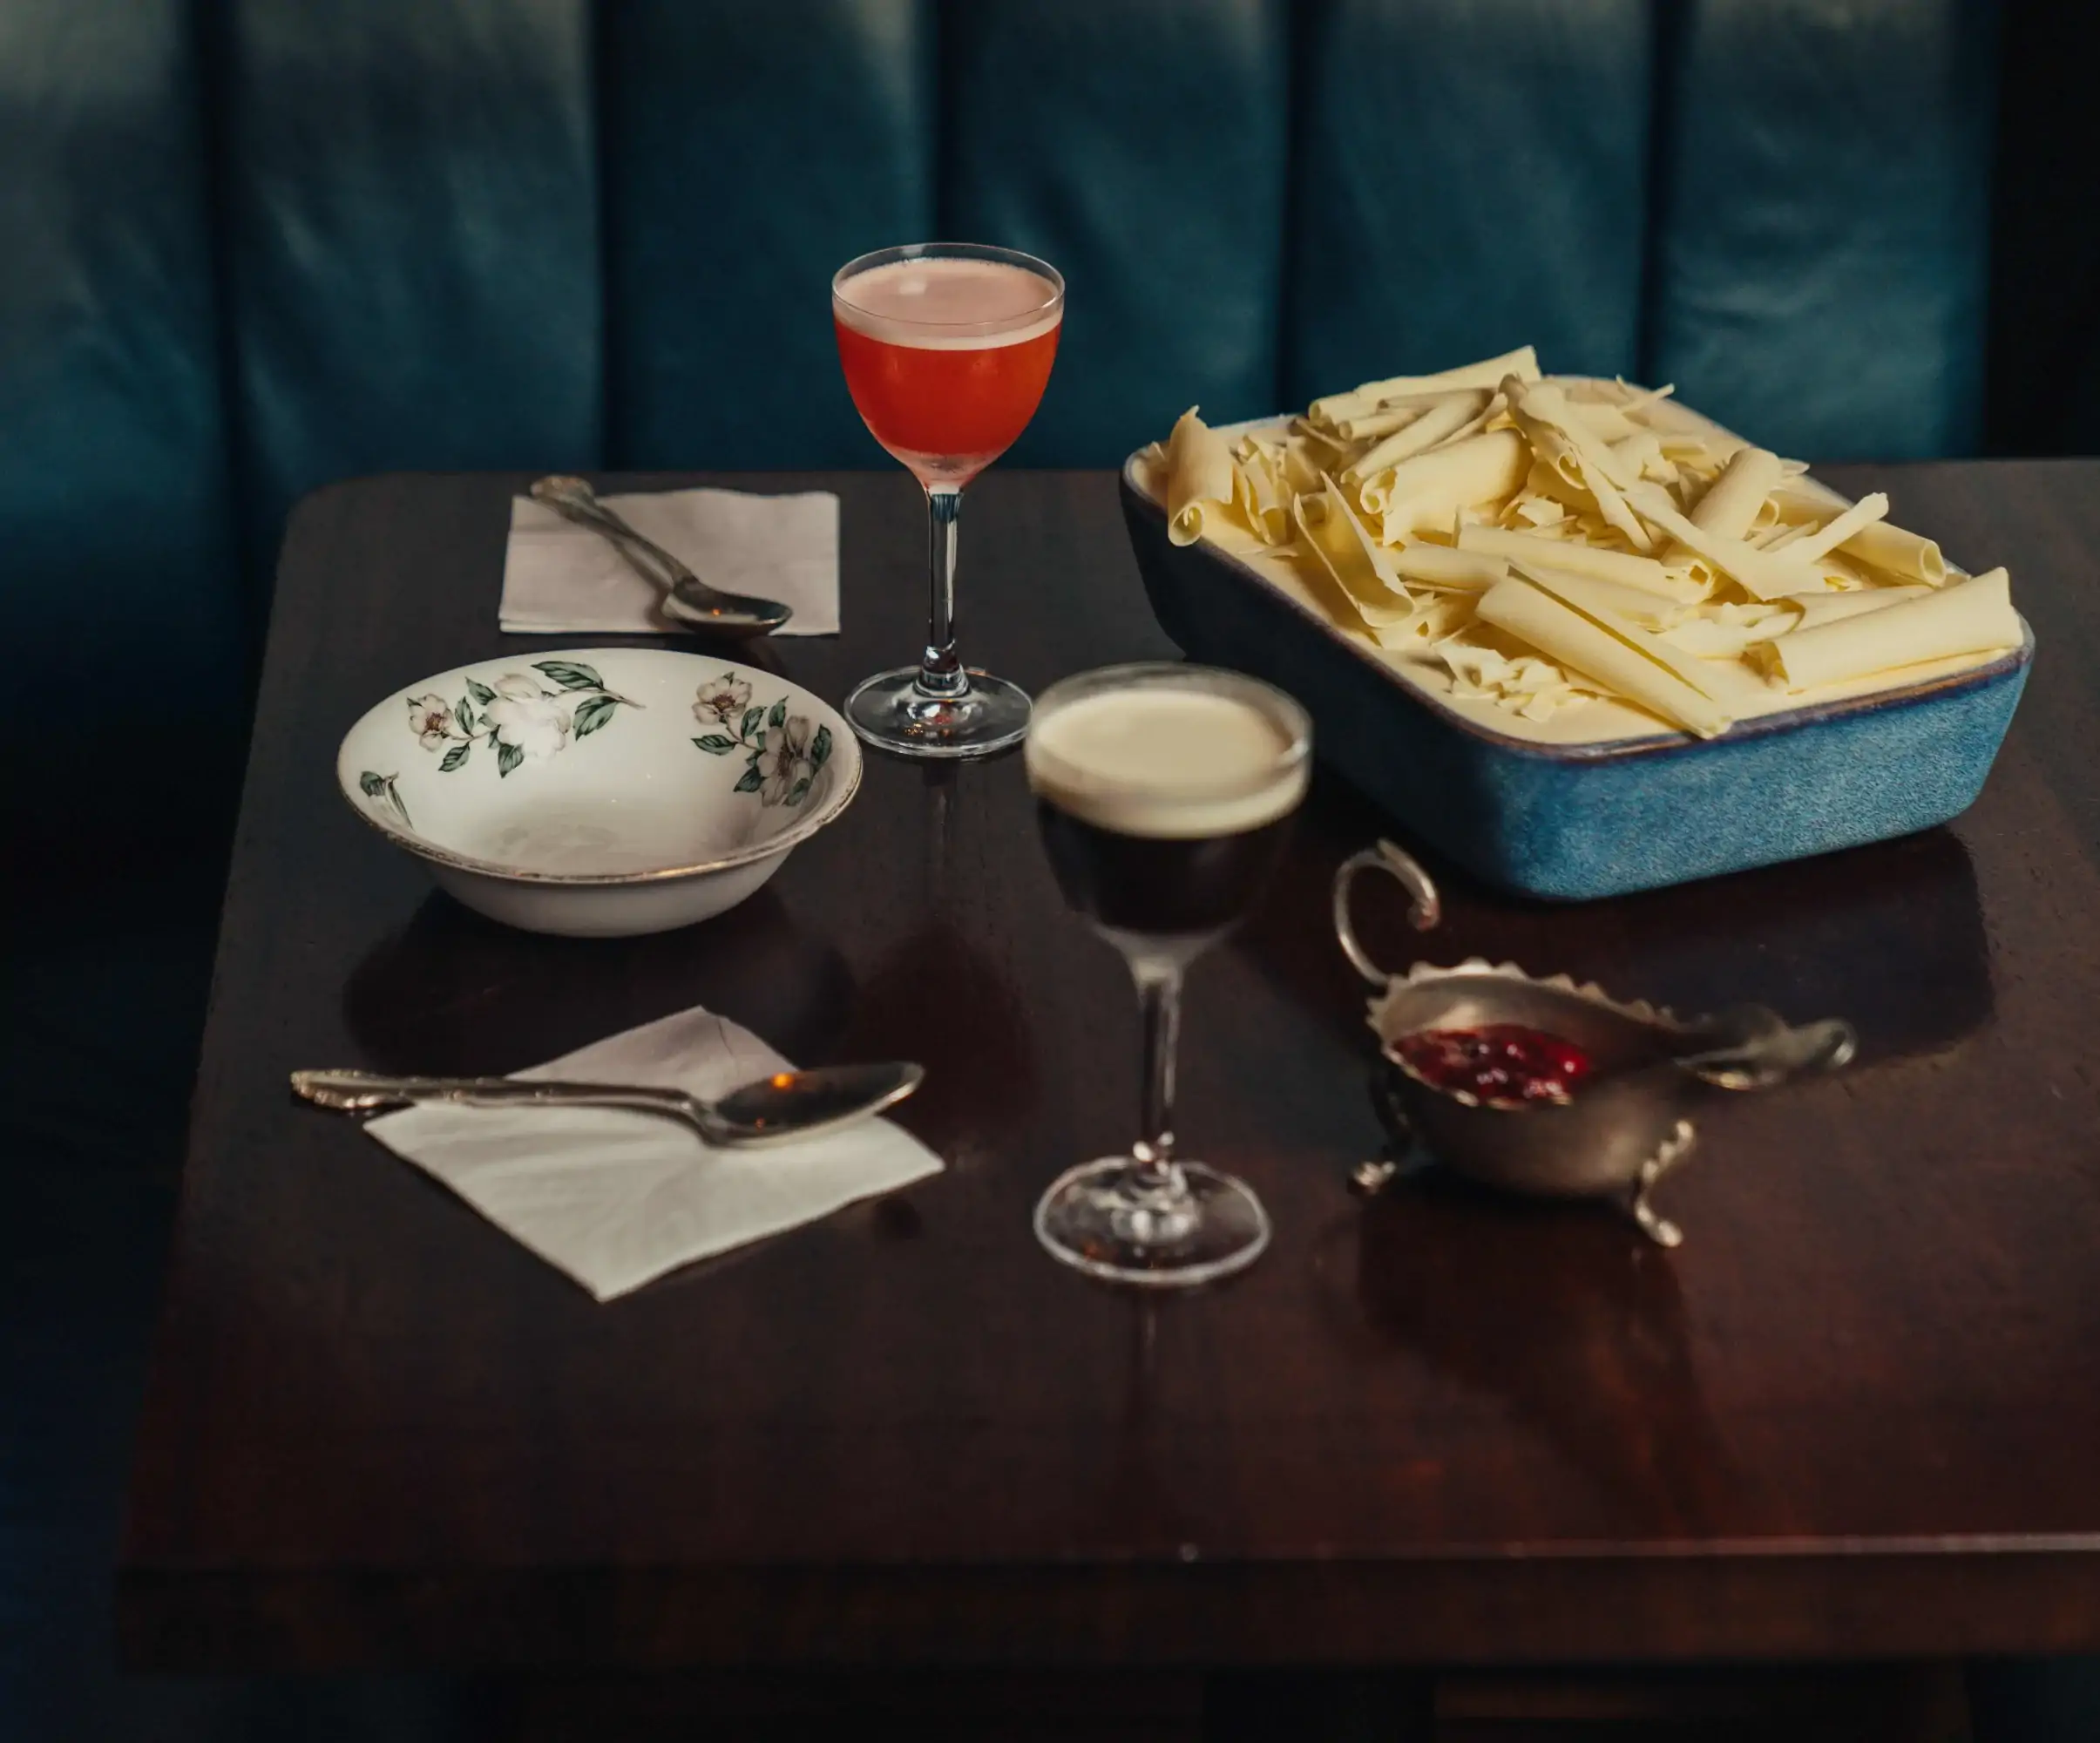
(946, 358)
(909, 303)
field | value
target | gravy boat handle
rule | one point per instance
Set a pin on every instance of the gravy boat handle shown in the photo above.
(1426, 909)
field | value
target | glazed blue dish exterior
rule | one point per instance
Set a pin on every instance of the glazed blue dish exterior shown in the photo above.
(1570, 823)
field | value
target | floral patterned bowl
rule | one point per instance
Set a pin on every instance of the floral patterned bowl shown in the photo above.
(600, 792)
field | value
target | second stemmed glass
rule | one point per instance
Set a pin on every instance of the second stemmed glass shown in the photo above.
(1165, 795)
(946, 349)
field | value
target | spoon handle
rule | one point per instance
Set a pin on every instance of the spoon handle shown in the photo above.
(574, 501)
(363, 1091)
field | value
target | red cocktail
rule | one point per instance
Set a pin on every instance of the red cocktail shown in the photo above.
(946, 349)
(943, 396)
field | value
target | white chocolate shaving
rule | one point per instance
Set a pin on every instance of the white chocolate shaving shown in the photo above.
(1439, 566)
(1564, 633)
(1326, 535)
(1818, 609)
(1849, 525)
(1760, 575)
(1621, 567)
(1523, 363)
(1427, 491)
(1908, 554)
(1262, 495)
(1436, 424)
(1972, 617)
(1729, 508)
(1200, 477)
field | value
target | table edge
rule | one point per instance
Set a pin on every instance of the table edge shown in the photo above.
(1979, 1597)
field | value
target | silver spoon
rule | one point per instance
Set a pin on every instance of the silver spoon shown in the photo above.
(688, 600)
(1769, 1060)
(789, 1104)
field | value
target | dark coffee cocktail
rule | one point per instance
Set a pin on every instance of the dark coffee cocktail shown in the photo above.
(1165, 797)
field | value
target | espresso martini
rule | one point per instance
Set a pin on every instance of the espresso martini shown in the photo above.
(1165, 795)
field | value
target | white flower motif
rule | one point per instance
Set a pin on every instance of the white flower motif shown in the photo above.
(430, 720)
(528, 718)
(785, 761)
(721, 699)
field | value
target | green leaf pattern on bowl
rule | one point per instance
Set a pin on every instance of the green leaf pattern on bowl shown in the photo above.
(379, 789)
(783, 757)
(520, 718)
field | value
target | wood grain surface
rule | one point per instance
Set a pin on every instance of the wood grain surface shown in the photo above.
(1857, 1413)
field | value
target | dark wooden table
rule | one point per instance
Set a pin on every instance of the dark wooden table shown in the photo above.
(1858, 1413)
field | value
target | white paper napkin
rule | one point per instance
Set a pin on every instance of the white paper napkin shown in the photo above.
(616, 1198)
(558, 577)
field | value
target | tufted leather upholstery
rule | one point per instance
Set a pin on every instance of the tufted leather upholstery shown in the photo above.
(1474, 176)
(257, 244)
(748, 152)
(1824, 220)
(409, 192)
(115, 518)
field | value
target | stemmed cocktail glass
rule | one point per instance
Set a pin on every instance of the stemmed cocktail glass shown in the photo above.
(946, 348)
(1165, 796)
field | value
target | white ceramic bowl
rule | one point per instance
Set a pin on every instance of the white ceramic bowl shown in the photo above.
(600, 791)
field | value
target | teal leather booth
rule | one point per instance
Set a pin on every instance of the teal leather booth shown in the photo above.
(257, 244)
(247, 247)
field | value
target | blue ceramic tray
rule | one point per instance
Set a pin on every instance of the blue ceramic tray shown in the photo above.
(1572, 822)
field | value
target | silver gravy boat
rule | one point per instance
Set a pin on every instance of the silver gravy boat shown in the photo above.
(1628, 1124)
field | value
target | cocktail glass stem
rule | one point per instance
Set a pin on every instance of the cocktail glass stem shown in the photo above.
(1159, 991)
(1160, 1210)
(940, 673)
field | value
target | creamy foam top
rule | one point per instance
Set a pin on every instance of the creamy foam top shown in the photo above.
(948, 305)
(1168, 761)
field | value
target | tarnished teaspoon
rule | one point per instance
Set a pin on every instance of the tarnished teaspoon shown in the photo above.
(688, 600)
(1766, 1060)
(789, 1104)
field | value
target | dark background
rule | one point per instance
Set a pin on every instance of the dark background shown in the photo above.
(2043, 382)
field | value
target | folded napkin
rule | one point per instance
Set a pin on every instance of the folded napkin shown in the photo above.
(616, 1198)
(558, 577)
